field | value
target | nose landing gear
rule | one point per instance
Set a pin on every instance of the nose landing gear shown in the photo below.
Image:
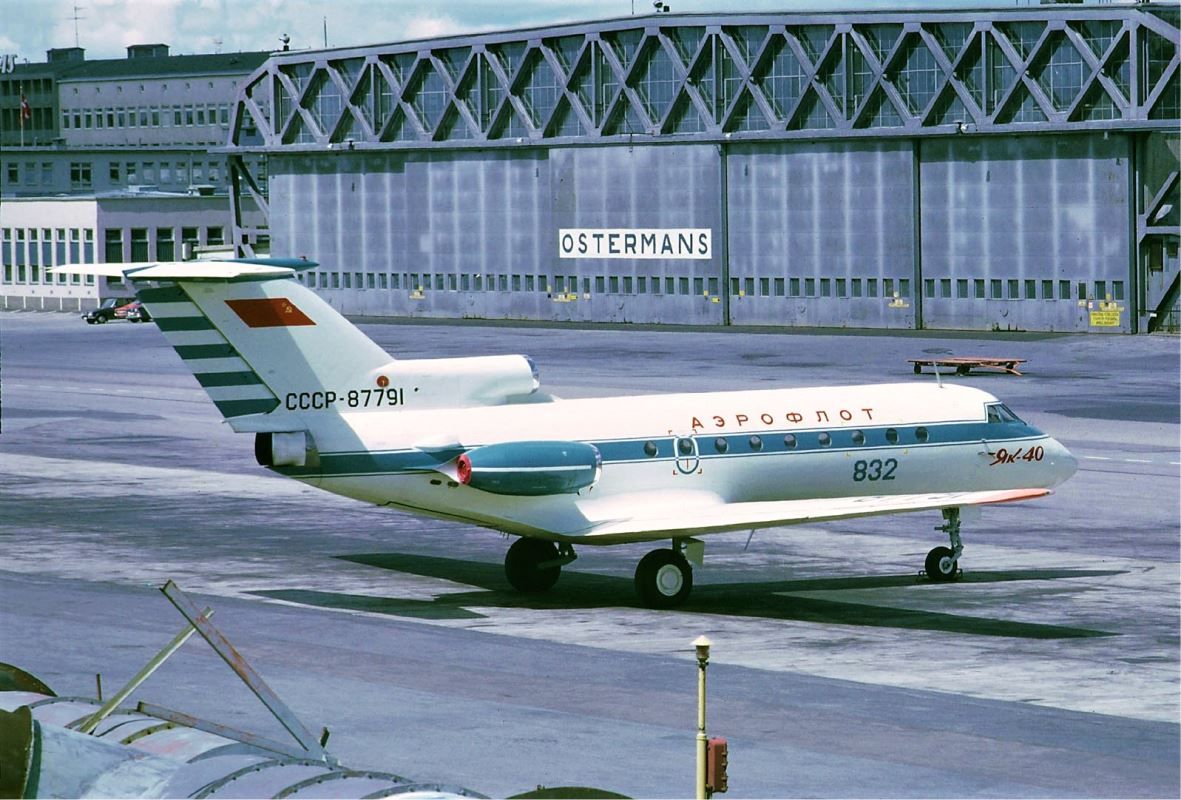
(942, 563)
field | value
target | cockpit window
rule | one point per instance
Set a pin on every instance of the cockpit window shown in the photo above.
(999, 412)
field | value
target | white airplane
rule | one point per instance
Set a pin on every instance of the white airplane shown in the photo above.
(475, 440)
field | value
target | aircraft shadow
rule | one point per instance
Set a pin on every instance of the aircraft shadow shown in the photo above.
(768, 600)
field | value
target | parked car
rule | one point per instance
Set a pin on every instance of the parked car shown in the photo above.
(108, 310)
(137, 313)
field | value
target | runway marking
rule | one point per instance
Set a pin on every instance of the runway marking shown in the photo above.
(1130, 460)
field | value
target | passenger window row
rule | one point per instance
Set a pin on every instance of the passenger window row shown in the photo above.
(791, 441)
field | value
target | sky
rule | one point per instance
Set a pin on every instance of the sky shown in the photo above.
(105, 27)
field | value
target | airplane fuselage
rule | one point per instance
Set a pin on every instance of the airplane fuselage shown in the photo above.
(742, 447)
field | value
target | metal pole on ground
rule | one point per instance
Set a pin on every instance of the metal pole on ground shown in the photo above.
(701, 644)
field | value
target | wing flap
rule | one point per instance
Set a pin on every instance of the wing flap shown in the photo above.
(657, 519)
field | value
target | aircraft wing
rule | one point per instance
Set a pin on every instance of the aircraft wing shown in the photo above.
(660, 515)
(196, 270)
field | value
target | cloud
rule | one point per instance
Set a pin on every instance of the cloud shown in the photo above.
(427, 27)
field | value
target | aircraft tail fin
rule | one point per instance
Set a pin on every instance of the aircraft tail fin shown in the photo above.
(254, 344)
(264, 346)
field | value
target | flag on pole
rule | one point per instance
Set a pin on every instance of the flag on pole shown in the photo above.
(26, 112)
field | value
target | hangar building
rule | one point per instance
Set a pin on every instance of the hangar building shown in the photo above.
(1000, 169)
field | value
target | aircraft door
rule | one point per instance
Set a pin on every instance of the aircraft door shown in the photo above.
(688, 458)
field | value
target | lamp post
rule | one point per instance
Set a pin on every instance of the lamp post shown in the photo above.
(701, 645)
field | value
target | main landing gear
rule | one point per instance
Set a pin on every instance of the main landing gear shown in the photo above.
(942, 563)
(534, 565)
(663, 577)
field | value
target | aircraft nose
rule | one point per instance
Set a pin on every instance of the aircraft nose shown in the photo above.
(1061, 461)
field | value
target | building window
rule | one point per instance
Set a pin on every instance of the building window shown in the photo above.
(114, 170)
(165, 245)
(214, 235)
(114, 245)
(139, 244)
(188, 240)
(80, 175)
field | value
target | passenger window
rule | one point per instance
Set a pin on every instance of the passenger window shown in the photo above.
(825, 440)
(789, 441)
(921, 434)
(891, 436)
(721, 445)
(858, 437)
(650, 449)
(756, 443)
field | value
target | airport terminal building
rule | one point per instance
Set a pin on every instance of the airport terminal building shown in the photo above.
(1011, 168)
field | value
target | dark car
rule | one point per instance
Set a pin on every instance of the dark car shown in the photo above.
(108, 310)
(136, 312)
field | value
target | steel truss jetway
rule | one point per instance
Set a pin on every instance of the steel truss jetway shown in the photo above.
(998, 168)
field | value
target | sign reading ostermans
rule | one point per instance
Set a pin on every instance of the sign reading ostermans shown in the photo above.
(635, 243)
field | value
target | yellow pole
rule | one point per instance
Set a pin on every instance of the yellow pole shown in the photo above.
(701, 644)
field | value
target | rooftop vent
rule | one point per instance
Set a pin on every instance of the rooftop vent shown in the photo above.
(147, 51)
(61, 55)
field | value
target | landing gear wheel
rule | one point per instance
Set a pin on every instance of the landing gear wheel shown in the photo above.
(522, 565)
(941, 565)
(664, 579)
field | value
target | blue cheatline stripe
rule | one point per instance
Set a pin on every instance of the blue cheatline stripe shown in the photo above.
(209, 379)
(623, 451)
(236, 408)
(164, 294)
(198, 351)
(183, 323)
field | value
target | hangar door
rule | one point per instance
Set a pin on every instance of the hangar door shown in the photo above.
(821, 234)
(1026, 233)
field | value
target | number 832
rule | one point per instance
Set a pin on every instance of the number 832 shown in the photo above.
(875, 470)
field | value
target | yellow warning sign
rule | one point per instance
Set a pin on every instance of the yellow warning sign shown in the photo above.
(1105, 319)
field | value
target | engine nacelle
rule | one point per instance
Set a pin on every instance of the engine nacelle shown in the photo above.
(293, 449)
(530, 468)
(460, 382)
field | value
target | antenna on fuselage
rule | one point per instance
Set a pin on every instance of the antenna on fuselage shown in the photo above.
(938, 376)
